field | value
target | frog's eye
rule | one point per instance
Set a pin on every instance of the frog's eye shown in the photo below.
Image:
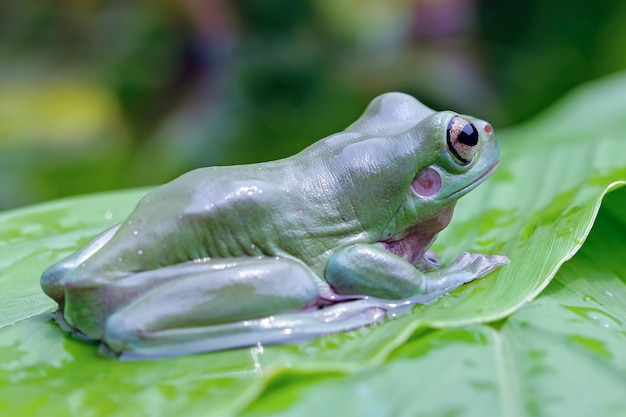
(462, 140)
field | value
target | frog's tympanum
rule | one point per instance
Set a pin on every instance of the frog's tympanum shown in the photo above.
(327, 240)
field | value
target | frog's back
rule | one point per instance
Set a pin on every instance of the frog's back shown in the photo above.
(303, 206)
(208, 212)
(249, 210)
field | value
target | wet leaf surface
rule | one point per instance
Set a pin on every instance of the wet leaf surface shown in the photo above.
(499, 346)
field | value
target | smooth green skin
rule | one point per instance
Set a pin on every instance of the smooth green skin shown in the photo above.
(327, 240)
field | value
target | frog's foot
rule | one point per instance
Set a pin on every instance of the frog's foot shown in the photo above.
(130, 343)
(466, 268)
(477, 264)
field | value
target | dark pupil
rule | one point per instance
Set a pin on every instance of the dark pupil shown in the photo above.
(468, 136)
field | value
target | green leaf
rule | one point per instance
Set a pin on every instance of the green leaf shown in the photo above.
(562, 355)
(527, 360)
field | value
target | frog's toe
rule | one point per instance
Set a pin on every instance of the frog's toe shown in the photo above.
(478, 264)
(430, 260)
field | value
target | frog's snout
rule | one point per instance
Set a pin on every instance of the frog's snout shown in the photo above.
(52, 283)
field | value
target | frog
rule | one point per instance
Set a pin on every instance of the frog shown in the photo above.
(334, 238)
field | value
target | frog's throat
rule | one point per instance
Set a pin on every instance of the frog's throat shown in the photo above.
(412, 243)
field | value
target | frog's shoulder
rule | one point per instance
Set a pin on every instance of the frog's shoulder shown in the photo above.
(390, 114)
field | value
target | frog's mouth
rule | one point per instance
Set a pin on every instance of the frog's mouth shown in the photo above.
(469, 187)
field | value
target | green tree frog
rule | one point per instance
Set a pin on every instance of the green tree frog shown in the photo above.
(330, 239)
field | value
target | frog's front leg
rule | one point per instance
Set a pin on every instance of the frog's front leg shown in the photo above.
(369, 269)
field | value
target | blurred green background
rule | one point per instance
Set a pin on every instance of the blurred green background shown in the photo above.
(99, 95)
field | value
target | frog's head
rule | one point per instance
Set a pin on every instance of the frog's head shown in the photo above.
(447, 154)
(423, 162)
(452, 154)
(463, 154)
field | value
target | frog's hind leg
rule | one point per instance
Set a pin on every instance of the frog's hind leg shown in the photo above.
(204, 308)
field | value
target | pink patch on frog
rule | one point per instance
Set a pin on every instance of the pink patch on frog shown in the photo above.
(488, 129)
(413, 243)
(427, 182)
